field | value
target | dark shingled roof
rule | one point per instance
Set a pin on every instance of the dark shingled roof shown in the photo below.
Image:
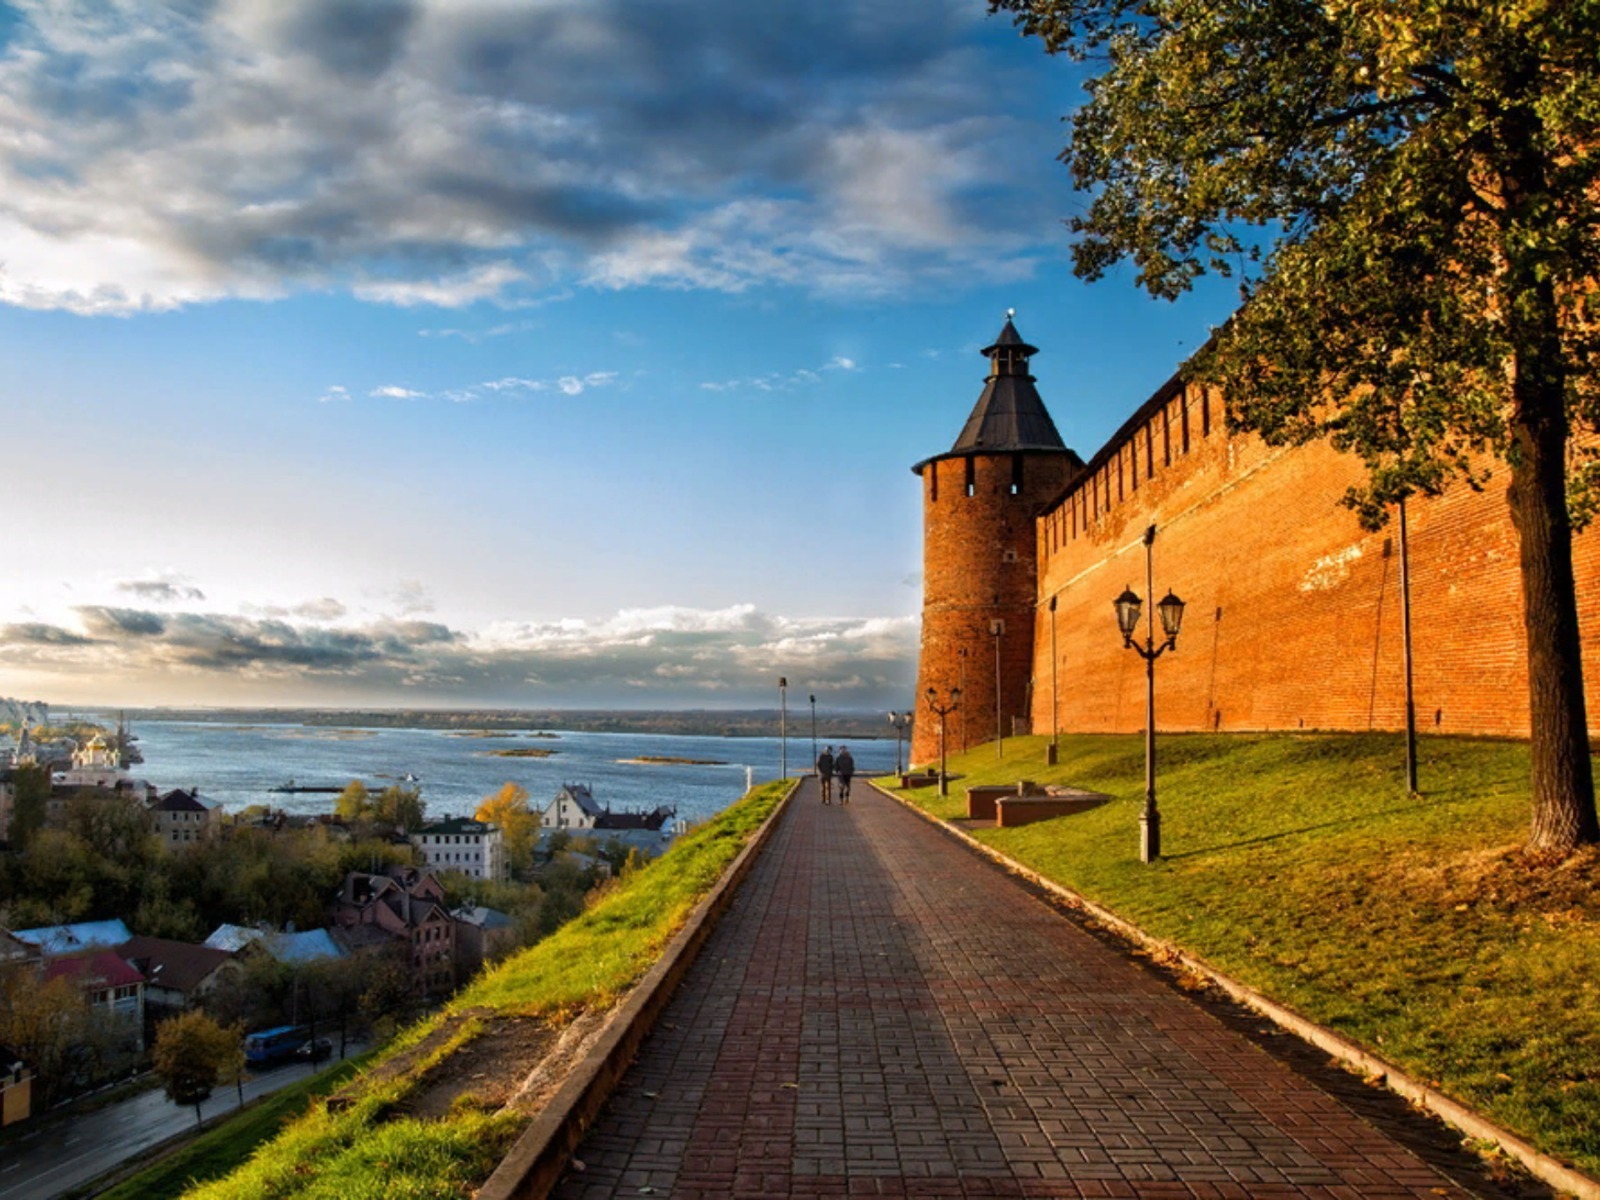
(1009, 416)
(180, 966)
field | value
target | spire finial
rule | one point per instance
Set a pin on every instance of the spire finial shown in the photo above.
(1011, 314)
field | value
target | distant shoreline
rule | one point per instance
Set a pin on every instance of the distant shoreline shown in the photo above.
(669, 760)
(733, 723)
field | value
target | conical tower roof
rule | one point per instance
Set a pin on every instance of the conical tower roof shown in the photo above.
(1009, 415)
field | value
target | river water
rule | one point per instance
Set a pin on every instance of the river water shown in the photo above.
(237, 765)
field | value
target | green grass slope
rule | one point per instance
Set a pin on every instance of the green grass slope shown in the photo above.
(1298, 865)
(370, 1149)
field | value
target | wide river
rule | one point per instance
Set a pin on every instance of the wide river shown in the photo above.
(236, 765)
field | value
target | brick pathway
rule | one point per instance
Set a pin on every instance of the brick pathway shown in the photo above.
(881, 1012)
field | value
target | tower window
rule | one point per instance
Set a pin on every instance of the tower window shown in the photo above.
(972, 478)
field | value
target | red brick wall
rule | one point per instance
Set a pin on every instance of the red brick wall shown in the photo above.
(980, 564)
(1293, 615)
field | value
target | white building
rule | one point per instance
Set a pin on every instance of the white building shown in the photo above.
(574, 807)
(98, 765)
(474, 848)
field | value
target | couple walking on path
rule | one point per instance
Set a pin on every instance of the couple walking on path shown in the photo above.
(830, 765)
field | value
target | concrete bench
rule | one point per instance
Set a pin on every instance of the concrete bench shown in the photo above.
(981, 799)
(1013, 810)
(919, 779)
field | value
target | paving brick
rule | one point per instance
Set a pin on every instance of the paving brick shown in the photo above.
(882, 1013)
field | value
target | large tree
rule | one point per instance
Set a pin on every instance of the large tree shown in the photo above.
(1407, 191)
(519, 825)
(193, 1053)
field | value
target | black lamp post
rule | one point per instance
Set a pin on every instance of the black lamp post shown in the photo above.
(943, 711)
(783, 725)
(1055, 725)
(997, 628)
(899, 721)
(1171, 611)
(1405, 642)
(961, 685)
(813, 732)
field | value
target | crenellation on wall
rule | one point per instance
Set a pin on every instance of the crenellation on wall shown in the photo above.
(1293, 617)
(1309, 631)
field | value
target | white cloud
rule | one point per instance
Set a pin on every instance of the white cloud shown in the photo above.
(305, 653)
(451, 152)
(392, 392)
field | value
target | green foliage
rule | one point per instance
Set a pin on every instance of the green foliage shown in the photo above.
(51, 1027)
(396, 808)
(508, 808)
(1298, 865)
(352, 804)
(29, 803)
(193, 1053)
(1407, 190)
(1404, 187)
(225, 1148)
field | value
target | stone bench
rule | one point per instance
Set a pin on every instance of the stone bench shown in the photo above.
(1013, 810)
(981, 799)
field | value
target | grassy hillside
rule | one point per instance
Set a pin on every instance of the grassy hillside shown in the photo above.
(384, 1142)
(1298, 865)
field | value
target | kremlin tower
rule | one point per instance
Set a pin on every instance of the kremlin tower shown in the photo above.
(980, 555)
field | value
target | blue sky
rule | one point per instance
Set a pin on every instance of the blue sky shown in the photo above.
(439, 352)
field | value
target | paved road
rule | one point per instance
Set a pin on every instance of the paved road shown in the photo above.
(62, 1154)
(882, 1012)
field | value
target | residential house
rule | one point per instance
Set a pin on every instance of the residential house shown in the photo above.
(295, 949)
(182, 819)
(177, 975)
(482, 935)
(474, 848)
(16, 952)
(113, 987)
(53, 941)
(16, 1089)
(408, 905)
(575, 807)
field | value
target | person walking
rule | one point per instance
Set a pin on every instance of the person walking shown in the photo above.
(844, 766)
(825, 768)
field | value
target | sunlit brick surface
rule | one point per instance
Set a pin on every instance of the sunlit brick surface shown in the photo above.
(882, 1013)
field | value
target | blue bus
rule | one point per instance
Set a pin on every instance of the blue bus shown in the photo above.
(267, 1046)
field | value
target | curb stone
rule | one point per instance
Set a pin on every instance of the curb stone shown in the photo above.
(541, 1154)
(1379, 1070)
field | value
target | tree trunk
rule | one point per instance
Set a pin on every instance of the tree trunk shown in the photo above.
(1562, 782)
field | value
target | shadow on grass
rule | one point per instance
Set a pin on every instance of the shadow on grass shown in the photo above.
(1420, 805)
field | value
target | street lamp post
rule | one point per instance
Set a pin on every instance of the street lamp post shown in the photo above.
(1171, 610)
(1055, 751)
(997, 627)
(813, 732)
(1405, 640)
(783, 725)
(899, 721)
(942, 711)
(961, 684)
